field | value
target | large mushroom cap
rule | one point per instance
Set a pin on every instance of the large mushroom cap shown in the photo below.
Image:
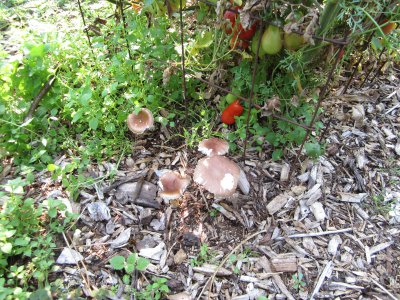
(173, 185)
(218, 175)
(213, 146)
(138, 123)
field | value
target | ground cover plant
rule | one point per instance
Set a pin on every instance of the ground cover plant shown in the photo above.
(125, 61)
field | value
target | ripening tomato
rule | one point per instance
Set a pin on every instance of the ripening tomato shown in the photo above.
(247, 34)
(389, 27)
(238, 43)
(231, 111)
(231, 16)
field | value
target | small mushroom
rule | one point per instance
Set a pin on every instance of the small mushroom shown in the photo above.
(143, 120)
(218, 175)
(213, 146)
(173, 185)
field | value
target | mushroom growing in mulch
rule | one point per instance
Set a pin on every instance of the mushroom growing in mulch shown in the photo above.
(219, 175)
(213, 146)
(140, 122)
(173, 185)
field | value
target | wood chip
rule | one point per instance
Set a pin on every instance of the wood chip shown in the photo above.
(265, 264)
(277, 203)
(353, 198)
(285, 263)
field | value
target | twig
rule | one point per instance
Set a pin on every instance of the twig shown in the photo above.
(85, 279)
(184, 91)
(384, 289)
(84, 24)
(302, 235)
(41, 94)
(210, 281)
(321, 279)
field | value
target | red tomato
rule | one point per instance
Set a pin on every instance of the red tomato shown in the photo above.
(247, 34)
(232, 110)
(231, 16)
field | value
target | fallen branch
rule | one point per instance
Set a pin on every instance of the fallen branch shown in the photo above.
(41, 94)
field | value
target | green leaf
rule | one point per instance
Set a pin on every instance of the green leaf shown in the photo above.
(376, 44)
(22, 241)
(6, 248)
(41, 294)
(117, 262)
(277, 154)
(129, 268)
(204, 40)
(164, 288)
(52, 167)
(131, 259)
(126, 279)
(313, 149)
(93, 123)
(52, 213)
(86, 95)
(142, 263)
(110, 127)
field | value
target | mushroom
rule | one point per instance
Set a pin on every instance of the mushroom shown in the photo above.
(138, 123)
(173, 185)
(213, 146)
(220, 176)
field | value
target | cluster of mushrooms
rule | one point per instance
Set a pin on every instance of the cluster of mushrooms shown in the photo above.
(216, 173)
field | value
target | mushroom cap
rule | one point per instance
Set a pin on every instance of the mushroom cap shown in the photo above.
(213, 146)
(173, 185)
(138, 123)
(218, 175)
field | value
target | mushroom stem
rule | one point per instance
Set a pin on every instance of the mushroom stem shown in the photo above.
(243, 183)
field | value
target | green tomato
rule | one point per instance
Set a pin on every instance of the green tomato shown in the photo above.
(271, 40)
(254, 44)
(293, 41)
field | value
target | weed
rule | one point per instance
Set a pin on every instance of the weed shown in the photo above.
(381, 204)
(236, 260)
(213, 213)
(204, 256)
(298, 283)
(132, 263)
(155, 290)
(27, 234)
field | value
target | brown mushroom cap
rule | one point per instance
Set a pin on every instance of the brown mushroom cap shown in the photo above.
(138, 123)
(173, 185)
(218, 175)
(213, 146)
